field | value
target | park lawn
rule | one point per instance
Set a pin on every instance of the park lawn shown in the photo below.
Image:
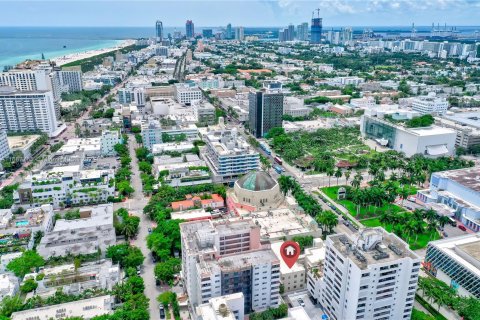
(331, 192)
(422, 240)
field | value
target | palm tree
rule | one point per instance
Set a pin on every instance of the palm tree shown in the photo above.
(404, 192)
(330, 173)
(347, 175)
(443, 220)
(338, 174)
(286, 184)
(128, 230)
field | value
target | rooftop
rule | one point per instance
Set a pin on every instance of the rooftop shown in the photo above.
(87, 308)
(464, 249)
(99, 215)
(372, 246)
(241, 260)
(466, 118)
(256, 181)
(468, 177)
(283, 222)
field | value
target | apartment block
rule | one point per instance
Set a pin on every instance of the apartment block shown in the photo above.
(87, 309)
(153, 131)
(229, 155)
(185, 93)
(430, 104)
(94, 231)
(222, 258)
(369, 275)
(22, 111)
(62, 189)
(4, 148)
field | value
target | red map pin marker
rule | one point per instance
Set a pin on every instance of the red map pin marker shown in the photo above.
(290, 251)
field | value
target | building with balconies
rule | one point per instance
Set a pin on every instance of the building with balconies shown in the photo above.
(229, 155)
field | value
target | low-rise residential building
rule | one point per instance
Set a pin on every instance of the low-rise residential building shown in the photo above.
(186, 170)
(215, 201)
(92, 233)
(9, 285)
(6, 258)
(24, 144)
(292, 279)
(459, 191)
(430, 104)
(87, 309)
(227, 307)
(109, 139)
(295, 107)
(456, 261)
(183, 146)
(61, 189)
(204, 112)
(229, 155)
(430, 141)
(153, 132)
(185, 93)
(100, 274)
(22, 227)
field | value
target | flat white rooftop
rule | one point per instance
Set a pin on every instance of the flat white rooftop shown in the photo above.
(87, 309)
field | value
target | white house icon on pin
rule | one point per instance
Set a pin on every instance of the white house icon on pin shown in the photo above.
(290, 251)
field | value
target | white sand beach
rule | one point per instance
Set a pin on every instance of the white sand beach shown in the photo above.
(87, 54)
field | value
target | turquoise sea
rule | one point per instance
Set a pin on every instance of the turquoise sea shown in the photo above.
(20, 43)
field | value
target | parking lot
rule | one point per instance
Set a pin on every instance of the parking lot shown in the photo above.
(314, 311)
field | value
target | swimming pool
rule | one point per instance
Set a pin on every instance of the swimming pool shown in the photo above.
(21, 223)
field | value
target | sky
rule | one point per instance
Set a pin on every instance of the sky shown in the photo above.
(247, 13)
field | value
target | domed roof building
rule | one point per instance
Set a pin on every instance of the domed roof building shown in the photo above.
(255, 191)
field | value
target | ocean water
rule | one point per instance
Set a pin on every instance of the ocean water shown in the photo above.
(20, 43)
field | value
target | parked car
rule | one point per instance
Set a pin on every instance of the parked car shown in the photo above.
(300, 302)
(461, 227)
(149, 230)
(161, 309)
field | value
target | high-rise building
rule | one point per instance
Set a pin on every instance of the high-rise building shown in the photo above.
(239, 34)
(22, 111)
(71, 79)
(265, 109)
(229, 32)
(207, 33)
(190, 29)
(291, 32)
(382, 276)
(302, 31)
(316, 29)
(4, 148)
(223, 258)
(159, 31)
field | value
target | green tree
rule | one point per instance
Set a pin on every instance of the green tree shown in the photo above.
(28, 286)
(10, 304)
(25, 263)
(125, 255)
(165, 271)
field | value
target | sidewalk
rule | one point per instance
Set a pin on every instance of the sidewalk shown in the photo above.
(341, 208)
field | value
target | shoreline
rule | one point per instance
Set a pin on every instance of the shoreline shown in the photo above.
(69, 58)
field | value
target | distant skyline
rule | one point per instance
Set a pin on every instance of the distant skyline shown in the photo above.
(252, 13)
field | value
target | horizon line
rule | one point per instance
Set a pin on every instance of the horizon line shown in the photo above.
(220, 26)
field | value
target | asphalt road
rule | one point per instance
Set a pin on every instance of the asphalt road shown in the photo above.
(135, 205)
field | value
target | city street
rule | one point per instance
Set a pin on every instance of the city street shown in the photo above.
(135, 205)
